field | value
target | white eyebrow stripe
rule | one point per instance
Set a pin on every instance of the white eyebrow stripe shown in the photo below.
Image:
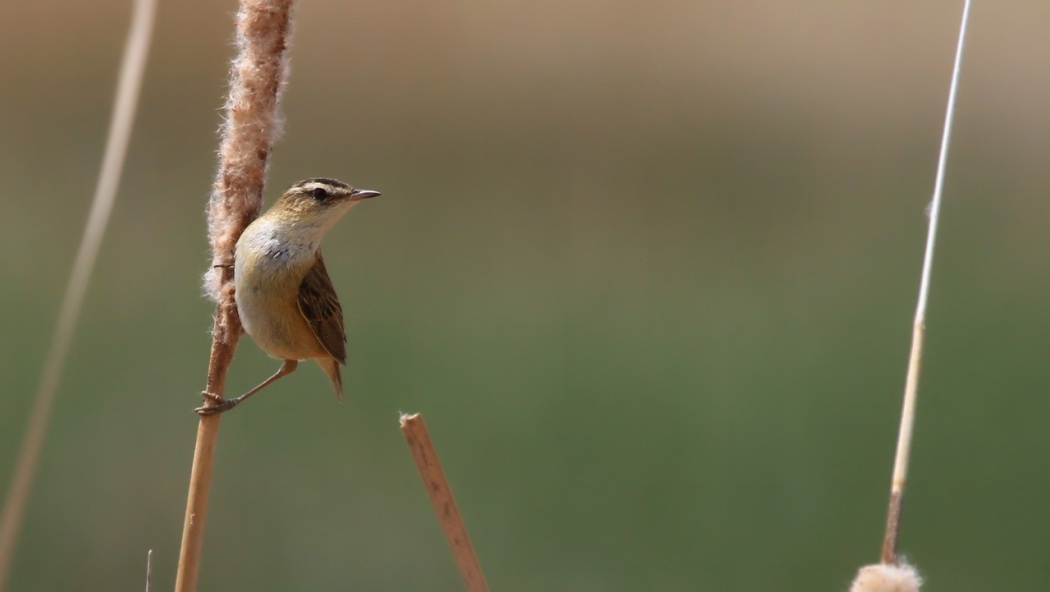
(329, 185)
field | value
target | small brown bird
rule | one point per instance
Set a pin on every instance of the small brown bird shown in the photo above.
(284, 296)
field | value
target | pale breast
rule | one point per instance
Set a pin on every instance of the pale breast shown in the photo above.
(267, 275)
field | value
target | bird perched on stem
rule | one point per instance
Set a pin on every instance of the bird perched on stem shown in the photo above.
(284, 296)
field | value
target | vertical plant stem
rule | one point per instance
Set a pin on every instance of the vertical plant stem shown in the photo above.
(225, 334)
(422, 449)
(129, 83)
(911, 386)
(252, 125)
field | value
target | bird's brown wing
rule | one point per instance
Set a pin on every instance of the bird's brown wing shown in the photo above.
(320, 306)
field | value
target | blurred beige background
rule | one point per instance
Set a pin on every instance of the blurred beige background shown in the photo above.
(648, 270)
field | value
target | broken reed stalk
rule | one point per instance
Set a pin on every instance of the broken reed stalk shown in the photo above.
(911, 386)
(422, 449)
(250, 128)
(129, 83)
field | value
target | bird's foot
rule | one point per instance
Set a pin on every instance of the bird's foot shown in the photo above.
(219, 404)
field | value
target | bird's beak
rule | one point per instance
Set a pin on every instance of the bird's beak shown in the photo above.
(359, 194)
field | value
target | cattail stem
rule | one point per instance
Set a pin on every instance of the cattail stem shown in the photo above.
(252, 125)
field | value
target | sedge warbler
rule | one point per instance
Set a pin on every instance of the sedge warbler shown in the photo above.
(284, 296)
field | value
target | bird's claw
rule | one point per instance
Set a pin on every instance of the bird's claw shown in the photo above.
(212, 396)
(219, 404)
(208, 410)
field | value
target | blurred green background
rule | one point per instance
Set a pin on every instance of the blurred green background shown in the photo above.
(649, 271)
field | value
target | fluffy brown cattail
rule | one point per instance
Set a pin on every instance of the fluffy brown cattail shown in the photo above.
(252, 124)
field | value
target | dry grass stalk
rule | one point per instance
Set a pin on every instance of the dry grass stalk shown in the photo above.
(252, 125)
(911, 386)
(415, 432)
(129, 83)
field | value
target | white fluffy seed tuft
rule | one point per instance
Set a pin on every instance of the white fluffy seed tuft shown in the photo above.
(887, 578)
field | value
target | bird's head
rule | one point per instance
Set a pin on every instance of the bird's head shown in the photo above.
(317, 203)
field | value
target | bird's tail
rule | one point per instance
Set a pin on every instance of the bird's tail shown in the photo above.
(331, 368)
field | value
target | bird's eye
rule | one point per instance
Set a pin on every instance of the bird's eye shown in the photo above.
(319, 193)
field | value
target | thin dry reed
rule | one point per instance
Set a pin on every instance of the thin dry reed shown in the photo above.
(893, 575)
(252, 124)
(129, 83)
(911, 386)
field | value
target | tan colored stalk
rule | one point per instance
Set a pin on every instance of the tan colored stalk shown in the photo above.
(129, 83)
(415, 432)
(252, 124)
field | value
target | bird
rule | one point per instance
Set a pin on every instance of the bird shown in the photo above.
(285, 299)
